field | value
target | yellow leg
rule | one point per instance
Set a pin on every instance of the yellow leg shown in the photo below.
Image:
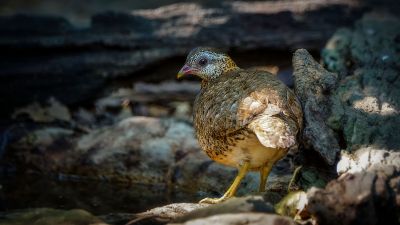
(232, 189)
(264, 173)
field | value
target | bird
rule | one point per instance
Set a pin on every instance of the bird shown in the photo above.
(243, 118)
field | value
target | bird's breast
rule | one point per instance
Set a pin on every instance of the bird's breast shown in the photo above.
(239, 149)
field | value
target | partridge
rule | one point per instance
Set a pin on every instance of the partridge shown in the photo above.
(243, 118)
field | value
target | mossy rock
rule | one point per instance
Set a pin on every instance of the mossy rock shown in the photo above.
(311, 177)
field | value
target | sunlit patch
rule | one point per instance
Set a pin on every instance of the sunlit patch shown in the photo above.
(372, 105)
(365, 158)
(388, 109)
(367, 104)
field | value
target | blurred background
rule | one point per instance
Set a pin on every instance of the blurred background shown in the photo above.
(92, 116)
(79, 13)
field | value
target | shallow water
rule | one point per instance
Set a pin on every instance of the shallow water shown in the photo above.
(33, 191)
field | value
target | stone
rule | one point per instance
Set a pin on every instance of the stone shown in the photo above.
(313, 86)
(335, 55)
(240, 219)
(159, 152)
(367, 197)
(313, 177)
(164, 214)
(367, 159)
(44, 138)
(52, 111)
(138, 149)
(47, 148)
(365, 105)
(294, 205)
(234, 205)
(364, 119)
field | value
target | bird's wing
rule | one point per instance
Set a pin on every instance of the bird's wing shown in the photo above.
(275, 131)
(273, 114)
(246, 97)
(295, 109)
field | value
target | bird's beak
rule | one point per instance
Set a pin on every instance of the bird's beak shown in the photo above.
(185, 71)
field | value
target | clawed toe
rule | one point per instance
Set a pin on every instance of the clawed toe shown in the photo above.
(213, 200)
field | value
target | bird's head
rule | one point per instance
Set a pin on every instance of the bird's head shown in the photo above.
(207, 63)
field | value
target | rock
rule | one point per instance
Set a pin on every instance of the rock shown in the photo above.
(179, 213)
(182, 110)
(366, 103)
(367, 159)
(363, 118)
(240, 219)
(165, 99)
(160, 151)
(335, 55)
(313, 86)
(313, 177)
(113, 101)
(44, 138)
(367, 197)
(234, 205)
(53, 111)
(144, 150)
(74, 63)
(44, 149)
(167, 88)
(361, 111)
(84, 117)
(137, 149)
(294, 205)
(165, 214)
(48, 216)
(173, 211)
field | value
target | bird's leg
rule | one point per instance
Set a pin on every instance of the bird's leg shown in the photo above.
(264, 173)
(232, 189)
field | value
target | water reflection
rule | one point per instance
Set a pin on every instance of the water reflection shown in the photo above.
(33, 191)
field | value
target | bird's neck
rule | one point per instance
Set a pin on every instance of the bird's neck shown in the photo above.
(226, 71)
(228, 66)
(204, 84)
(230, 69)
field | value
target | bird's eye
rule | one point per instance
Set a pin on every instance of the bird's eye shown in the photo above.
(202, 61)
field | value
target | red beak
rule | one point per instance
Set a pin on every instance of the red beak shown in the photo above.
(185, 71)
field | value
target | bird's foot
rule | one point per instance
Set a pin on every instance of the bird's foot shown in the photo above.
(214, 200)
(232, 189)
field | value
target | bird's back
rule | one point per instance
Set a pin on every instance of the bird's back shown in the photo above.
(245, 104)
